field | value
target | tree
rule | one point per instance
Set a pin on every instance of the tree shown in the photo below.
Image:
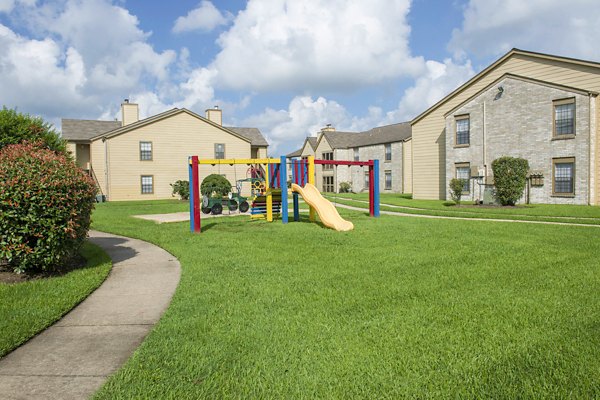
(217, 184)
(456, 189)
(510, 177)
(17, 128)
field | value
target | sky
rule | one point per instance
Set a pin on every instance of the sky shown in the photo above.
(287, 67)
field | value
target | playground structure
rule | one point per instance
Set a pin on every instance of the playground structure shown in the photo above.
(270, 189)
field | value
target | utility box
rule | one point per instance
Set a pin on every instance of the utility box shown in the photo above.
(488, 195)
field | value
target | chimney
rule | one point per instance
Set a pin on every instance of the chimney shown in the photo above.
(215, 115)
(328, 128)
(130, 113)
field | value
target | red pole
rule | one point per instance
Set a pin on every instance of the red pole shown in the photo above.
(371, 190)
(196, 194)
(303, 170)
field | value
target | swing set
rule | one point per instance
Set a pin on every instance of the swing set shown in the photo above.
(270, 187)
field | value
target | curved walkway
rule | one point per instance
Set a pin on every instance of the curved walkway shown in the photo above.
(75, 356)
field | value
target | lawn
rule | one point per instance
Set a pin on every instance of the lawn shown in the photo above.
(399, 307)
(530, 212)
(29, 307)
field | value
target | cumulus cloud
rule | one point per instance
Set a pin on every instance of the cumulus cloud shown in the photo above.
(438, 81)
(316, 44)
(80, 66)
(204, 18)
(490, 28)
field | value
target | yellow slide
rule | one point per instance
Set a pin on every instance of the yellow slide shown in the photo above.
(327, 212)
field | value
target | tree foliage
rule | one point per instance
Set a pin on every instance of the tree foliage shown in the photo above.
(510, 177)
(181, 189)
(45, 206)
(17, 128)
(215, 184)
(456, 189)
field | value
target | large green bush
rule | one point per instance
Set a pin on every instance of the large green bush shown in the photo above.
(16, 128)
(215, 184)
(510, 177)
(45, 207)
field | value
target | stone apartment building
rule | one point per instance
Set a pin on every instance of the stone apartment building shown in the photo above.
(549, 125)
(390, 144)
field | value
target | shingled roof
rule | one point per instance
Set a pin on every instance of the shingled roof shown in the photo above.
(85, 129)
(82, 129)
(382, 134)
(253, 134)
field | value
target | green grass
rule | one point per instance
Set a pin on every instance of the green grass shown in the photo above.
(399, 307)
(531, 212)
(29, 307)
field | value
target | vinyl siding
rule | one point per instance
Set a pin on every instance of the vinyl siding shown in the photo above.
(97, 161)
(407, 169)
(173, 140)
(428, 133)
(596, 158)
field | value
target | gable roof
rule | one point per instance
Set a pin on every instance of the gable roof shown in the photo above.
(379, 135)
(253, 134)
(296, 153)
(93, 130)
(523, 79)
(501, 60)
(85, 129)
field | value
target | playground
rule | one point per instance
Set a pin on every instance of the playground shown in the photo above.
(396, 308)
(269, 190)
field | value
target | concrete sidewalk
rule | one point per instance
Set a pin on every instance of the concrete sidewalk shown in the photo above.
(74, 357)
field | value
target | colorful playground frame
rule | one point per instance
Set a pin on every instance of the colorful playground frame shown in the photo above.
(303, 171)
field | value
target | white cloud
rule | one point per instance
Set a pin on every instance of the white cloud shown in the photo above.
(205, 18)
(493, 27)
(438, 81)
(6, 6)
(316, 44)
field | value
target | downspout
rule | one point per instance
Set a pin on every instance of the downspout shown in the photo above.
(402, 164)
(485, 174)
(592, 169)
(106, 168)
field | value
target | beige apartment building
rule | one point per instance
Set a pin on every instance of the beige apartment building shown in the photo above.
(473, 125)
(135, 159)
(390, 144)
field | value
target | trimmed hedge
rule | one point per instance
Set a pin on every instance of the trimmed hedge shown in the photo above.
(510, 177)
(215, 184)
(45, 206)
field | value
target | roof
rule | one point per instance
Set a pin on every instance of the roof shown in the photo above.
(508, 75)
(296, 153)
(91, 130)
(85, 129)
(256, 138)
(312, 140)
(382, 134)
(511, 53)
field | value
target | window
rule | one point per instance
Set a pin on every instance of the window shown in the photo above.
(356, 154)
(147, 184)
(146, 151)
(563, 176)
(328, 184)
(388, 180)
(366, 180)
(388, 152)
(463, 171)
(463, 126)
(564, 118)
(327, 156)
(219, 151)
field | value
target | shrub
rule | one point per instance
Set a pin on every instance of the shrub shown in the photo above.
(510, 177)
(345, 187)
(215, 184)
(456, 189)
(45, 207)
(181, 189)
(16, 128)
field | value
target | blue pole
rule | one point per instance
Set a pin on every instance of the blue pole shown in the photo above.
(191, 178)
(376, 188)
(284, 190)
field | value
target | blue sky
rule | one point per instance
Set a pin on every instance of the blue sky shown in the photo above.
(287, 67)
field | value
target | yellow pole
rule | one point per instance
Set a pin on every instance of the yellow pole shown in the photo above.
(269, 197)
(311, 180)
